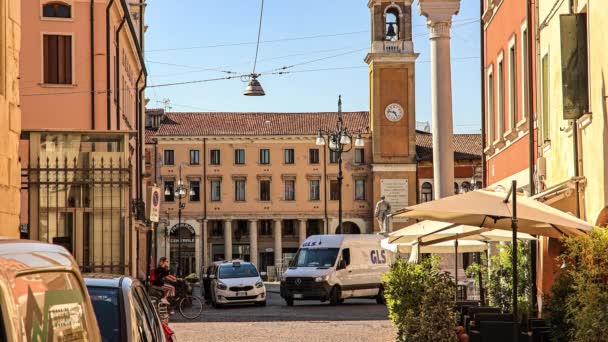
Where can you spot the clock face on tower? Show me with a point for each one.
(394, 112)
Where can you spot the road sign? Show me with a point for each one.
(155, 204)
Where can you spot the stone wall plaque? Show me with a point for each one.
(396, 192)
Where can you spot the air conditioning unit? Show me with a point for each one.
(541, 167)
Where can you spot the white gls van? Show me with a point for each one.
(335, 267)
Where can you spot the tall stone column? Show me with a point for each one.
(302, 231)
(198, 250)
(205, 243)
(278, 242)
(253, 241)
(228, 239)
(439, 20)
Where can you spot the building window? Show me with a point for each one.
(195, 191)
(216, 190)
(360, 189)
(239, 190)
(194, 157)
(315, 190)
(264, 156)
(214, 156)
(359, 156)
(512, 88)
(239, 156)
(289, 227)
(334, 190)
(169, 191)
(289, 156)
(290, 190)
(57, 59)
(265, 190)
(426, 192)
(217, 229)
(266, 227)
(545, 98)
(525, 71)
(490, 108)
(333, 156)
(56, 10)
(501, 100)
(465, 187)
(313, 156)
(169, 157)
(456, 188)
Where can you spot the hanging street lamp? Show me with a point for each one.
(340, 141)
(179, 192)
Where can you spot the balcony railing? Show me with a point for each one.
(399, 46)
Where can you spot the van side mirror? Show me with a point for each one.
(341, 265)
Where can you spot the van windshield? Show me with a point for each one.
(315, 257)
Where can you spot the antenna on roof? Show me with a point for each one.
(166, 104)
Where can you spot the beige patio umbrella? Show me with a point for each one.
(489, 209)
(495, 210)
(446, 247)
(428, 230)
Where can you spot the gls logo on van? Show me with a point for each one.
(309, 244)
(378, 257)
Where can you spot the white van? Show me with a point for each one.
(335, 267)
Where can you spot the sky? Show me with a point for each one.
(326, 40)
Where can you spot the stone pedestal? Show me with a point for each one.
(439, 20)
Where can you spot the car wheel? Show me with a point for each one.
(334, 296)
(380, 297)
(289, 301)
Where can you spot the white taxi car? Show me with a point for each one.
(236, 282)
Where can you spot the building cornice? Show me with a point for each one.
(393, 167)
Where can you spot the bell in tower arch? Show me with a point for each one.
(390, 32)
(392, 25)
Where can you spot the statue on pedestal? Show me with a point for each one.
(382, 212)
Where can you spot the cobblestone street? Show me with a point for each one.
(355, 320)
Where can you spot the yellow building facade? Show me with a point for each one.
(563, 174)
(10, 117)
(572, 169)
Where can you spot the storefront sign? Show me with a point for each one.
(155, 204)
(395, 192)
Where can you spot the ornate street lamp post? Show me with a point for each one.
(180, 192)
(339, 141)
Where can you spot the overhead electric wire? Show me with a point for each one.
(466, 21)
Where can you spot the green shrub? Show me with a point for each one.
(557, 309)
(420, 301)
(586, 296)
(498, 278)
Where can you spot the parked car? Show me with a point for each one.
(124, 310)
(236, 282)
(335, 267)
(42, 295)
(207, 271)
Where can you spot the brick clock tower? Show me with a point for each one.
(392, 103)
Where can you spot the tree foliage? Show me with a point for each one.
(421, 301)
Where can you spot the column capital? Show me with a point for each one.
(439, 29)
(439, 13)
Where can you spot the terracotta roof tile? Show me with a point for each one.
(466, 146)
(214, 124)
(150, 134)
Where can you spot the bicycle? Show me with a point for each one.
(189, 306)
